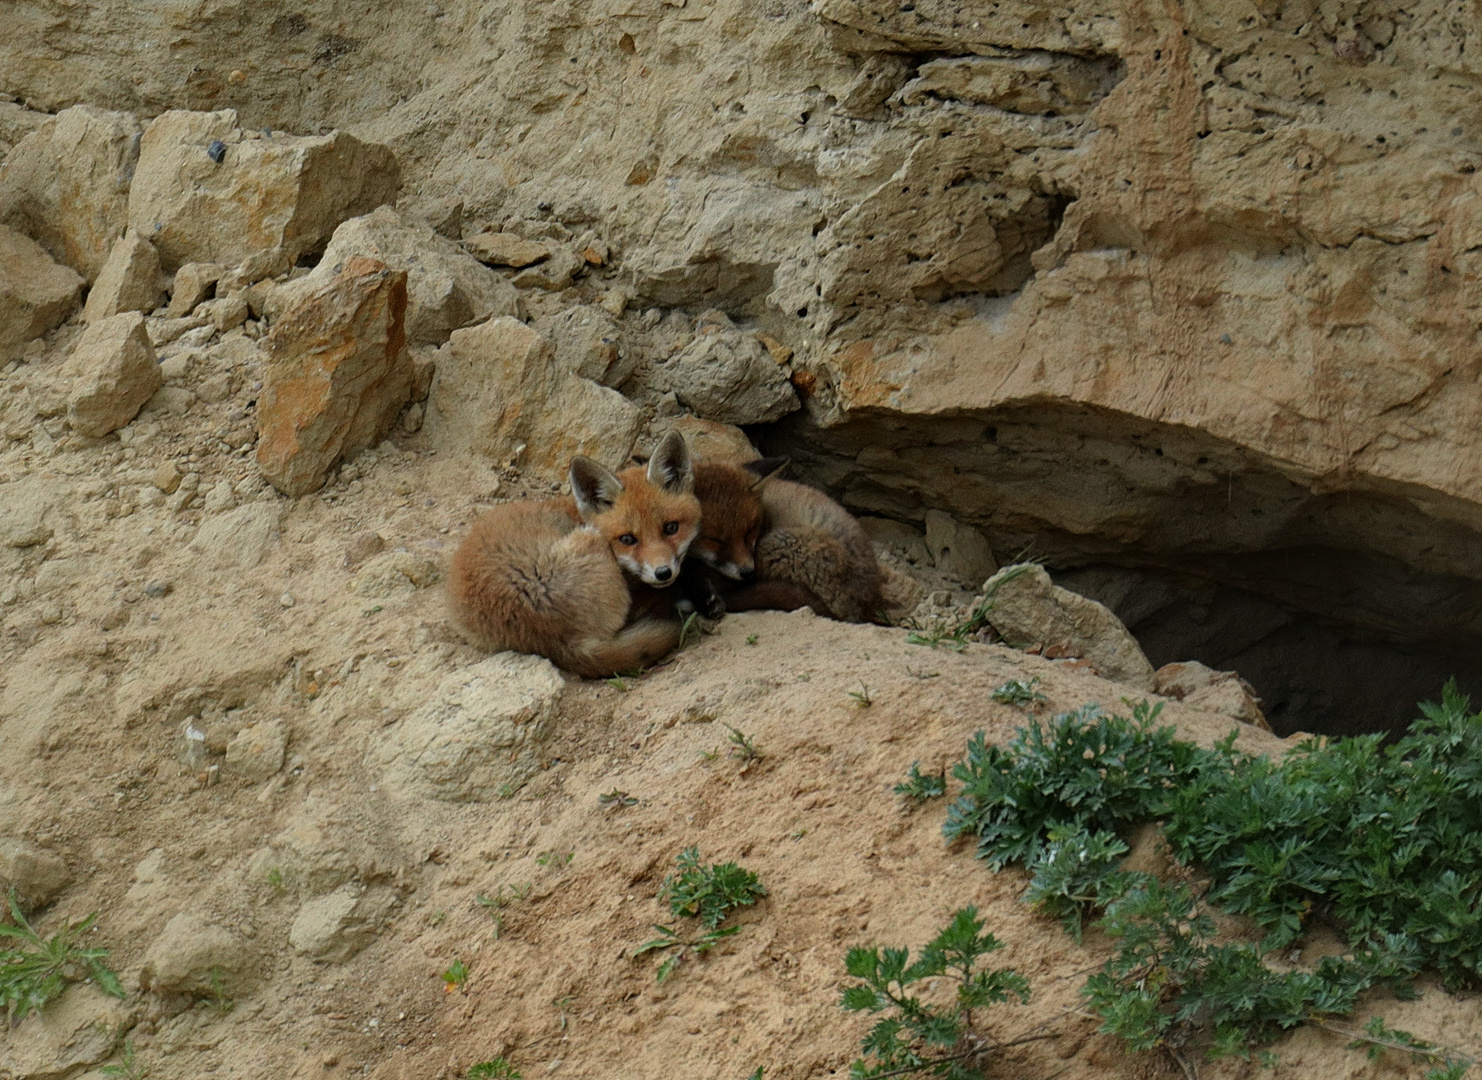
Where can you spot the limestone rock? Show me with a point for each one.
(500, 392)
(256, 753)
(36, 293)
(728, 376)
(395, 572)
(959, 550)
(587, 342)
(112, 373)
(483, 731)
(505, 249)
(1201, 687)
(225, 312)
(899, 594)
(82, 1027)
(446, 287)
(320, 851)
(193, 283)
(24, 508)
(552, 273)
(283, 193)
(239, 538)
(130, 280)
(711, 441)
(1029, 610)
(191, 956)
(336, 926)
(337, 375)
(37, 875)
(66, 185)
(900, 537)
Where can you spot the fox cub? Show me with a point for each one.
(788, 545)
(552, 577)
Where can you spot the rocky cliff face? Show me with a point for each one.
(1182, 295)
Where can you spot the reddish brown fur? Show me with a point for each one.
(534, 577)
(810, 551)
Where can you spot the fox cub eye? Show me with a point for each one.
(628, 538)
(670, 528)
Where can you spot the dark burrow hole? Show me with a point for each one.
(1343, 609)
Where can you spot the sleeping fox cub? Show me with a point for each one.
(788, 545)
(552, 577)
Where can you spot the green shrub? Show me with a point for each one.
(709, 893)
(1384, 841)
(915, 1037)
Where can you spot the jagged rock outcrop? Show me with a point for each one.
(337, 374)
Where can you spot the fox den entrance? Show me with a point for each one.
(1343, 609)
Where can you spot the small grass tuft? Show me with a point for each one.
(129, 1067)
(494, 1069)
(743, 747)
(862, 698)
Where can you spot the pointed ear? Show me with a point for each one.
(594, 488)
(670, 467)
(765, 468)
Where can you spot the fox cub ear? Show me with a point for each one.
(594, 488)
(670, 467)
(765, 468)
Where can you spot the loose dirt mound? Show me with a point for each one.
(239, 890)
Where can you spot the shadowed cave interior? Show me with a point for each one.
(1343, 608)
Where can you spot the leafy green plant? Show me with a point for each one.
(275, 880)
(503, 896)
(922, 787)
(1384, 841)
(751, 639)
(915, 1037)
(220, 1002)
(681, 946)
(456, 977)
(1086, 769)
(708, 893)
(1377, 1037)
(35, 970)
(494, 1069)
(1019, 692)
(862, 698)
(129, 1066)
(743, 747)
(555, 858)
(1170, 980)
(616, 800)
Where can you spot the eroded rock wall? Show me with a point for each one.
(1185, 286)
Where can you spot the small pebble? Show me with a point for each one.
(286, 600)
(157, 588)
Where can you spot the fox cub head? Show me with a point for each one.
(731, 514)
(649, 516)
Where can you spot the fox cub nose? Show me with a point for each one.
(747, 573)
(663, 573)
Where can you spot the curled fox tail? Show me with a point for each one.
(631, 648)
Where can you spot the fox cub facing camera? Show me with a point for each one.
(553, 577)
(772, 543)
